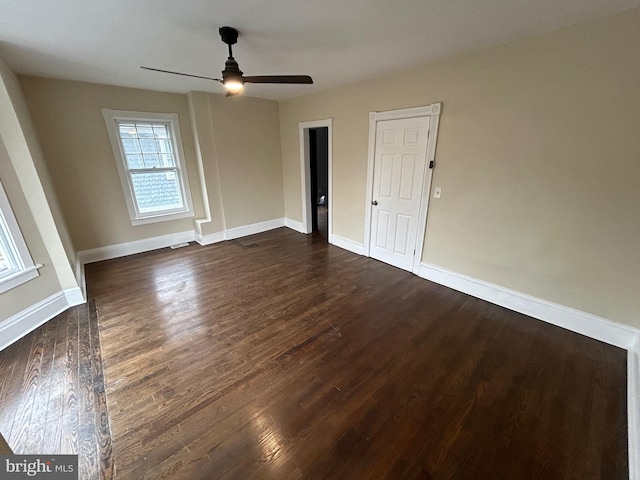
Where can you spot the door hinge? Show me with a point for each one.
(432, 163)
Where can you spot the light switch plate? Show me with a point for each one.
(437, 192)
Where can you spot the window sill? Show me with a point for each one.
(18, 278)
(162, 218)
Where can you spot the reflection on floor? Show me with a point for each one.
(323, 222)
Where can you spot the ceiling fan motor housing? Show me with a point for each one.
(231, 70)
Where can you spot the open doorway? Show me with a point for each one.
(319, 169)
(315, 167)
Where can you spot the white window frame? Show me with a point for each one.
(23, 269)
(111, 118)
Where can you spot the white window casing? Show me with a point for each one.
(147, 148)
(16, 264)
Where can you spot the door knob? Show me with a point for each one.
(375, 202)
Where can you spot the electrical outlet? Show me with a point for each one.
(437, 192)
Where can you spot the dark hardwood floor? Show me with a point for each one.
(52, 398)
(279, 356)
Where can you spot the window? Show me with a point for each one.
(149, 156)
(16, 265)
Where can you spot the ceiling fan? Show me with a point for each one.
(232, 77)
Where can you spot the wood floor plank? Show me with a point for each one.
(19, 434)
(52, 392)
(53, 429)
(35, 440)
(10, 362)
(102, 434)
(69, 377)
(87, 441)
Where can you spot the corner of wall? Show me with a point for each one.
(294, 225)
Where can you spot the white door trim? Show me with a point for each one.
(432, 111)
(305, 170)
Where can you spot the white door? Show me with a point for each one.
(398, 172)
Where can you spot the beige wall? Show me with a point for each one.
(238, 146)
(69, 124)
(247, 142)
(538, 158)
(26, 182)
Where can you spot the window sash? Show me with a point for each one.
(162, 208)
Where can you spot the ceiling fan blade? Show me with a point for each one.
(306, 79)
(183, 74)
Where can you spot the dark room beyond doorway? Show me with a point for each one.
(319, 159)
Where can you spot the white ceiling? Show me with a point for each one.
(334, 41)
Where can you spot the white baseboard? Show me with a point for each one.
(245, 230)
(163, 241)
(137, 246)
(347, 244)
(209, 238)
(74, 296)
(294, 225)
(633, 409)
(20, 324)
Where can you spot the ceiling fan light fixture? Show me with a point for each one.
(234, 85)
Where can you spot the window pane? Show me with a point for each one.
(130, 146)
(4, 261)
(160, 131)
(7, 261)
(157, 191)
(165, 146)
(144, 130)
(151, 160)
(168, 160)
(148, 145)
(127, 130)
(135, 161)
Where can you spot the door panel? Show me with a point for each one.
(386, 175)
(382, 230)
(406, 177)
(398, 174)
(403, 224)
